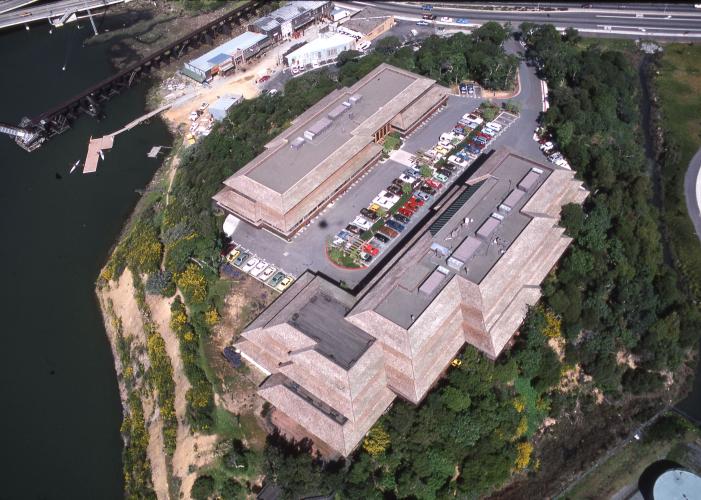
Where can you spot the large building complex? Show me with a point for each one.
(336, 361)
(327, 148)
(294, 16)
(226, 56)
(324, 49)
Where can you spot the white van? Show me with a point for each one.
(494, 126)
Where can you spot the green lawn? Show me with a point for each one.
(679, 88)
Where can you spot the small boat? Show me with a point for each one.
(75, 165)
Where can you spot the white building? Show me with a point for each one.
(324, 49)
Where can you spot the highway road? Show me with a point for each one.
(8, 5)
(20, 16)
(634, 20)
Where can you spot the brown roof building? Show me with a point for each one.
(336, 361)
(368, 24)
(327, 148)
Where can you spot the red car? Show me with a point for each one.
(264, 79)
(368, 248)
(484, 136)
(405, 212)
(416, 201)
(434, 184)
(410, 207)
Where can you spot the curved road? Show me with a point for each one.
(692, 191)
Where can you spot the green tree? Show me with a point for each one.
(202, 488)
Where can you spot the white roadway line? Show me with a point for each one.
(668, 17)
(643, 28)
(636, 32)
(631, 31)
(542, 12)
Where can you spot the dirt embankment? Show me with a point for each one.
(126, 309)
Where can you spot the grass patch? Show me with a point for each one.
(342, 257)
(617, 44)
(679, 87)
(226, 424)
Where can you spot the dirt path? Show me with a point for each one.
(126, 308)
(193, 450)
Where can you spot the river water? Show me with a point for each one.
(61, 412)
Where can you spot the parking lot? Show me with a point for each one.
(308, 248)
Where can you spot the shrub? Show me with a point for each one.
(202, 488)
(160, 283)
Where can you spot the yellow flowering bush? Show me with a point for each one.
(193, 283)
(519, 404)
(523, 455)
(553, 325)
(377, 440)
(211, 317)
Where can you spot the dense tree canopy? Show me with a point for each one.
(477, 56)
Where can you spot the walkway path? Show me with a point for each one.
(96, 146)
(692, 191)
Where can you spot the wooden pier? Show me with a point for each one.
(98, 145)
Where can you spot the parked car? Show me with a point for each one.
(401, 218)
(368, 248)
(389, 232)
(416, 200)
(232, 256)
(381, 237)
(374, 207)
(423, 196)
(433, 183)
(394, 189)
(353, 229)
(286, 281)
(250, 264)
(258, 269)
(275, 280)
(365, 257)
(241, 259)
(445, 172)
(440, 177)
(427, 189)
(405, 212)
(462, 20)
(267, 273)
(263, 79)
(393, 224)
(421, 23)
(377, 243)
(362, 222)
(368, 214)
